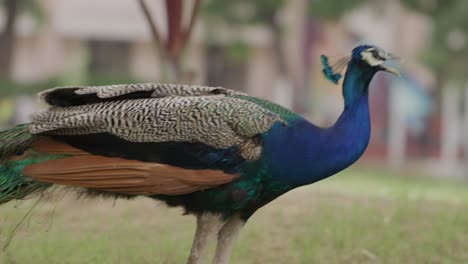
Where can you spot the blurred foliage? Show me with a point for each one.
(8, 87)
(106, 79)
(33, 7)
(331, 9)
(237, 51)
(430, 7)
(242, 11)
(447, 54)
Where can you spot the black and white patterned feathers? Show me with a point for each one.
(217, 117)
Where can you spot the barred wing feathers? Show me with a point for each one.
(212, 116)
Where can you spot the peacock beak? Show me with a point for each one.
(391, 70)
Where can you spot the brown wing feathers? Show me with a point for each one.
(50, 146)
(119, 175)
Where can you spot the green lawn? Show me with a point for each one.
(358, 216)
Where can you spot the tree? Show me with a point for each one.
(170, 50)
(244, 12)
(332, 9)
(447, 53)
(7, 37)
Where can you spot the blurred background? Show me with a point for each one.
(406, 200)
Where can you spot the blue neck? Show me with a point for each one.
(304, 153)
(355, 94)
(356, 82)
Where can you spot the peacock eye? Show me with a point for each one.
(376, 55)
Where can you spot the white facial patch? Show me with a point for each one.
(367, 56)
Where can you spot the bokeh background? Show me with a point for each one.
(405, 201)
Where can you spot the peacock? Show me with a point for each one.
(218, 153)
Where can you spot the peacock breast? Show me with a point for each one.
(302, 153)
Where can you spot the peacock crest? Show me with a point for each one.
(333, 72)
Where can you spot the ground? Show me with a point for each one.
(359, 216)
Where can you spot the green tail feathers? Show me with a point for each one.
(13, 184)
(14, 141)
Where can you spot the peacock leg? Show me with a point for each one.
(208, 225)
(226, 238)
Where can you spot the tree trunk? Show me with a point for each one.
(450, 127)
(278, 46)
(7, 39)
(283, 89)
(465, 128)
(397, 129)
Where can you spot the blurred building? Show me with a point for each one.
(85, 36)
(111, 37)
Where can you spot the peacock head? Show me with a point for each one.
(374, 57)
(369, 57)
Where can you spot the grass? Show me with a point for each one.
(358, 216)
